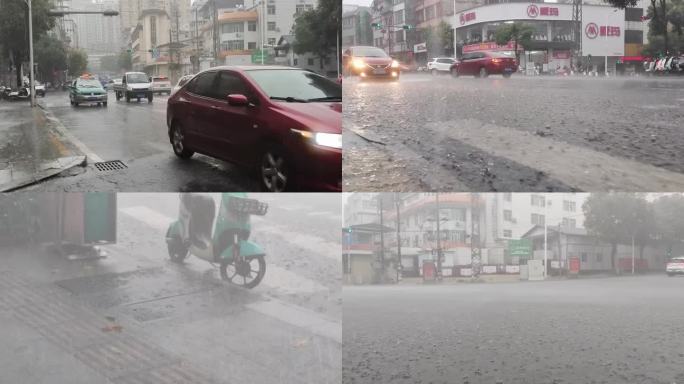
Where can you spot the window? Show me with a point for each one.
(569, 206)
(569, 223)
(233, 45)
(537, 219)
(251, 26)
(228, 83)
(251, 45)
(399, 17)
(301, 8)
(271, 10)
(507, 233)
(399, 36)
(537, 200)
(634, 37)
(508, 215)
(202, 84)
(507, 196)
(153, 30)
(271, 26)
(271, 41)
(584, 257)
(233, 27)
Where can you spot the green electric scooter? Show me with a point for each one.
(222, 238)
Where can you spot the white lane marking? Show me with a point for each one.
(300, 317)
(576, 166)
(313, 244)
(59, 127)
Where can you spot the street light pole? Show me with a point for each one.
(31, 74)
(545, 236)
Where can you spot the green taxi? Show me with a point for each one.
(87, 89)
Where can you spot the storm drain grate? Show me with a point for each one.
(110, 165)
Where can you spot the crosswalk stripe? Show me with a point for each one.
(577, 166)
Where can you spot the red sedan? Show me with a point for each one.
(483, 64)
(284, 122)
(370, 62)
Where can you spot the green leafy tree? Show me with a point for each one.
(669, 214)
(51, 56)
(77, 62)
(317, 31)
(109, 63)
(125, 60)
(14, 28)
(439, 39)
(617, 217)
(518, 33)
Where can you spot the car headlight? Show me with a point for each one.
(395, 64)
(358, 64)
(129, 88)
(332, 140)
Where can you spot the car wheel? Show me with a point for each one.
(128, 98)
(483, 72)
(454, 72)
(178, 142)
(274, 171)
(150, 98)
(104, 104)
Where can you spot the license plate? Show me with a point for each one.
(508, 69)
(379, 71)
(141, 95)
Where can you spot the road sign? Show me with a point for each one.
(258, 56)
(521, 248)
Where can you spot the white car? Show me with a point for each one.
(40, 89)
(675, 266)
(440, 64)
(161, 84)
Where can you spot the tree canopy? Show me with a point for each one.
(317, 31)
(518, 33)
(439, 39)
(51, 56)
(77, 62)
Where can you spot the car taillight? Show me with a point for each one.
(496, 61)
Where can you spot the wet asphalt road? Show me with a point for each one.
(136, 134)
(523, 133)
(612, 330)
(286, 330)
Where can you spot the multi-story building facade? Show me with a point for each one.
(356, 26)
(393, 15)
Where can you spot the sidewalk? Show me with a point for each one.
(31, 147)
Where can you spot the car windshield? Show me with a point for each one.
(86, 83)
(137, 78)
(369, 52)
(296, 85)
(678, 260)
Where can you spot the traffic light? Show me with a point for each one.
(407, 27)
(376, 25)
(129, 50)
(347, 230)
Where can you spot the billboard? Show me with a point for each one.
(603, 31)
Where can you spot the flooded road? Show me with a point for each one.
(496, 134)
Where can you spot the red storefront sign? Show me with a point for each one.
(593, 31)
(561, 54)
(574, 264)
(533, 11)
(466, 17)
(480, 47)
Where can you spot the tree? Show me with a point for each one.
(51, 56)
(109, 63)
(317, 31)
(14, 28)
(77, 62)
(439, 39)
(669, 214)
(518, 33)
(617, 218)
(125, 60)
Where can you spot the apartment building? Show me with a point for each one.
(356, 26)
(393, 15)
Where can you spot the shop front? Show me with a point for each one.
(551, 46)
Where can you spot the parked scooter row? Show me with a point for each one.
(665, 65)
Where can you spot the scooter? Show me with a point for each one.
(241, 261)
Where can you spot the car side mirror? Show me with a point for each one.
(237, 100)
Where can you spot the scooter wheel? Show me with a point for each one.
(244, 274)
(177, 251)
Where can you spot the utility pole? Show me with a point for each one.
(397, 203)
(31, 76)
(475, 247)
(439, 240)
(577, 30)
(382, 240)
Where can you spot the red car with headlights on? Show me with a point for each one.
(284, 122)
(483, 64)
(370, 62)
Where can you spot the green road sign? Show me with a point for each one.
(258, 56)
(521, 248)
